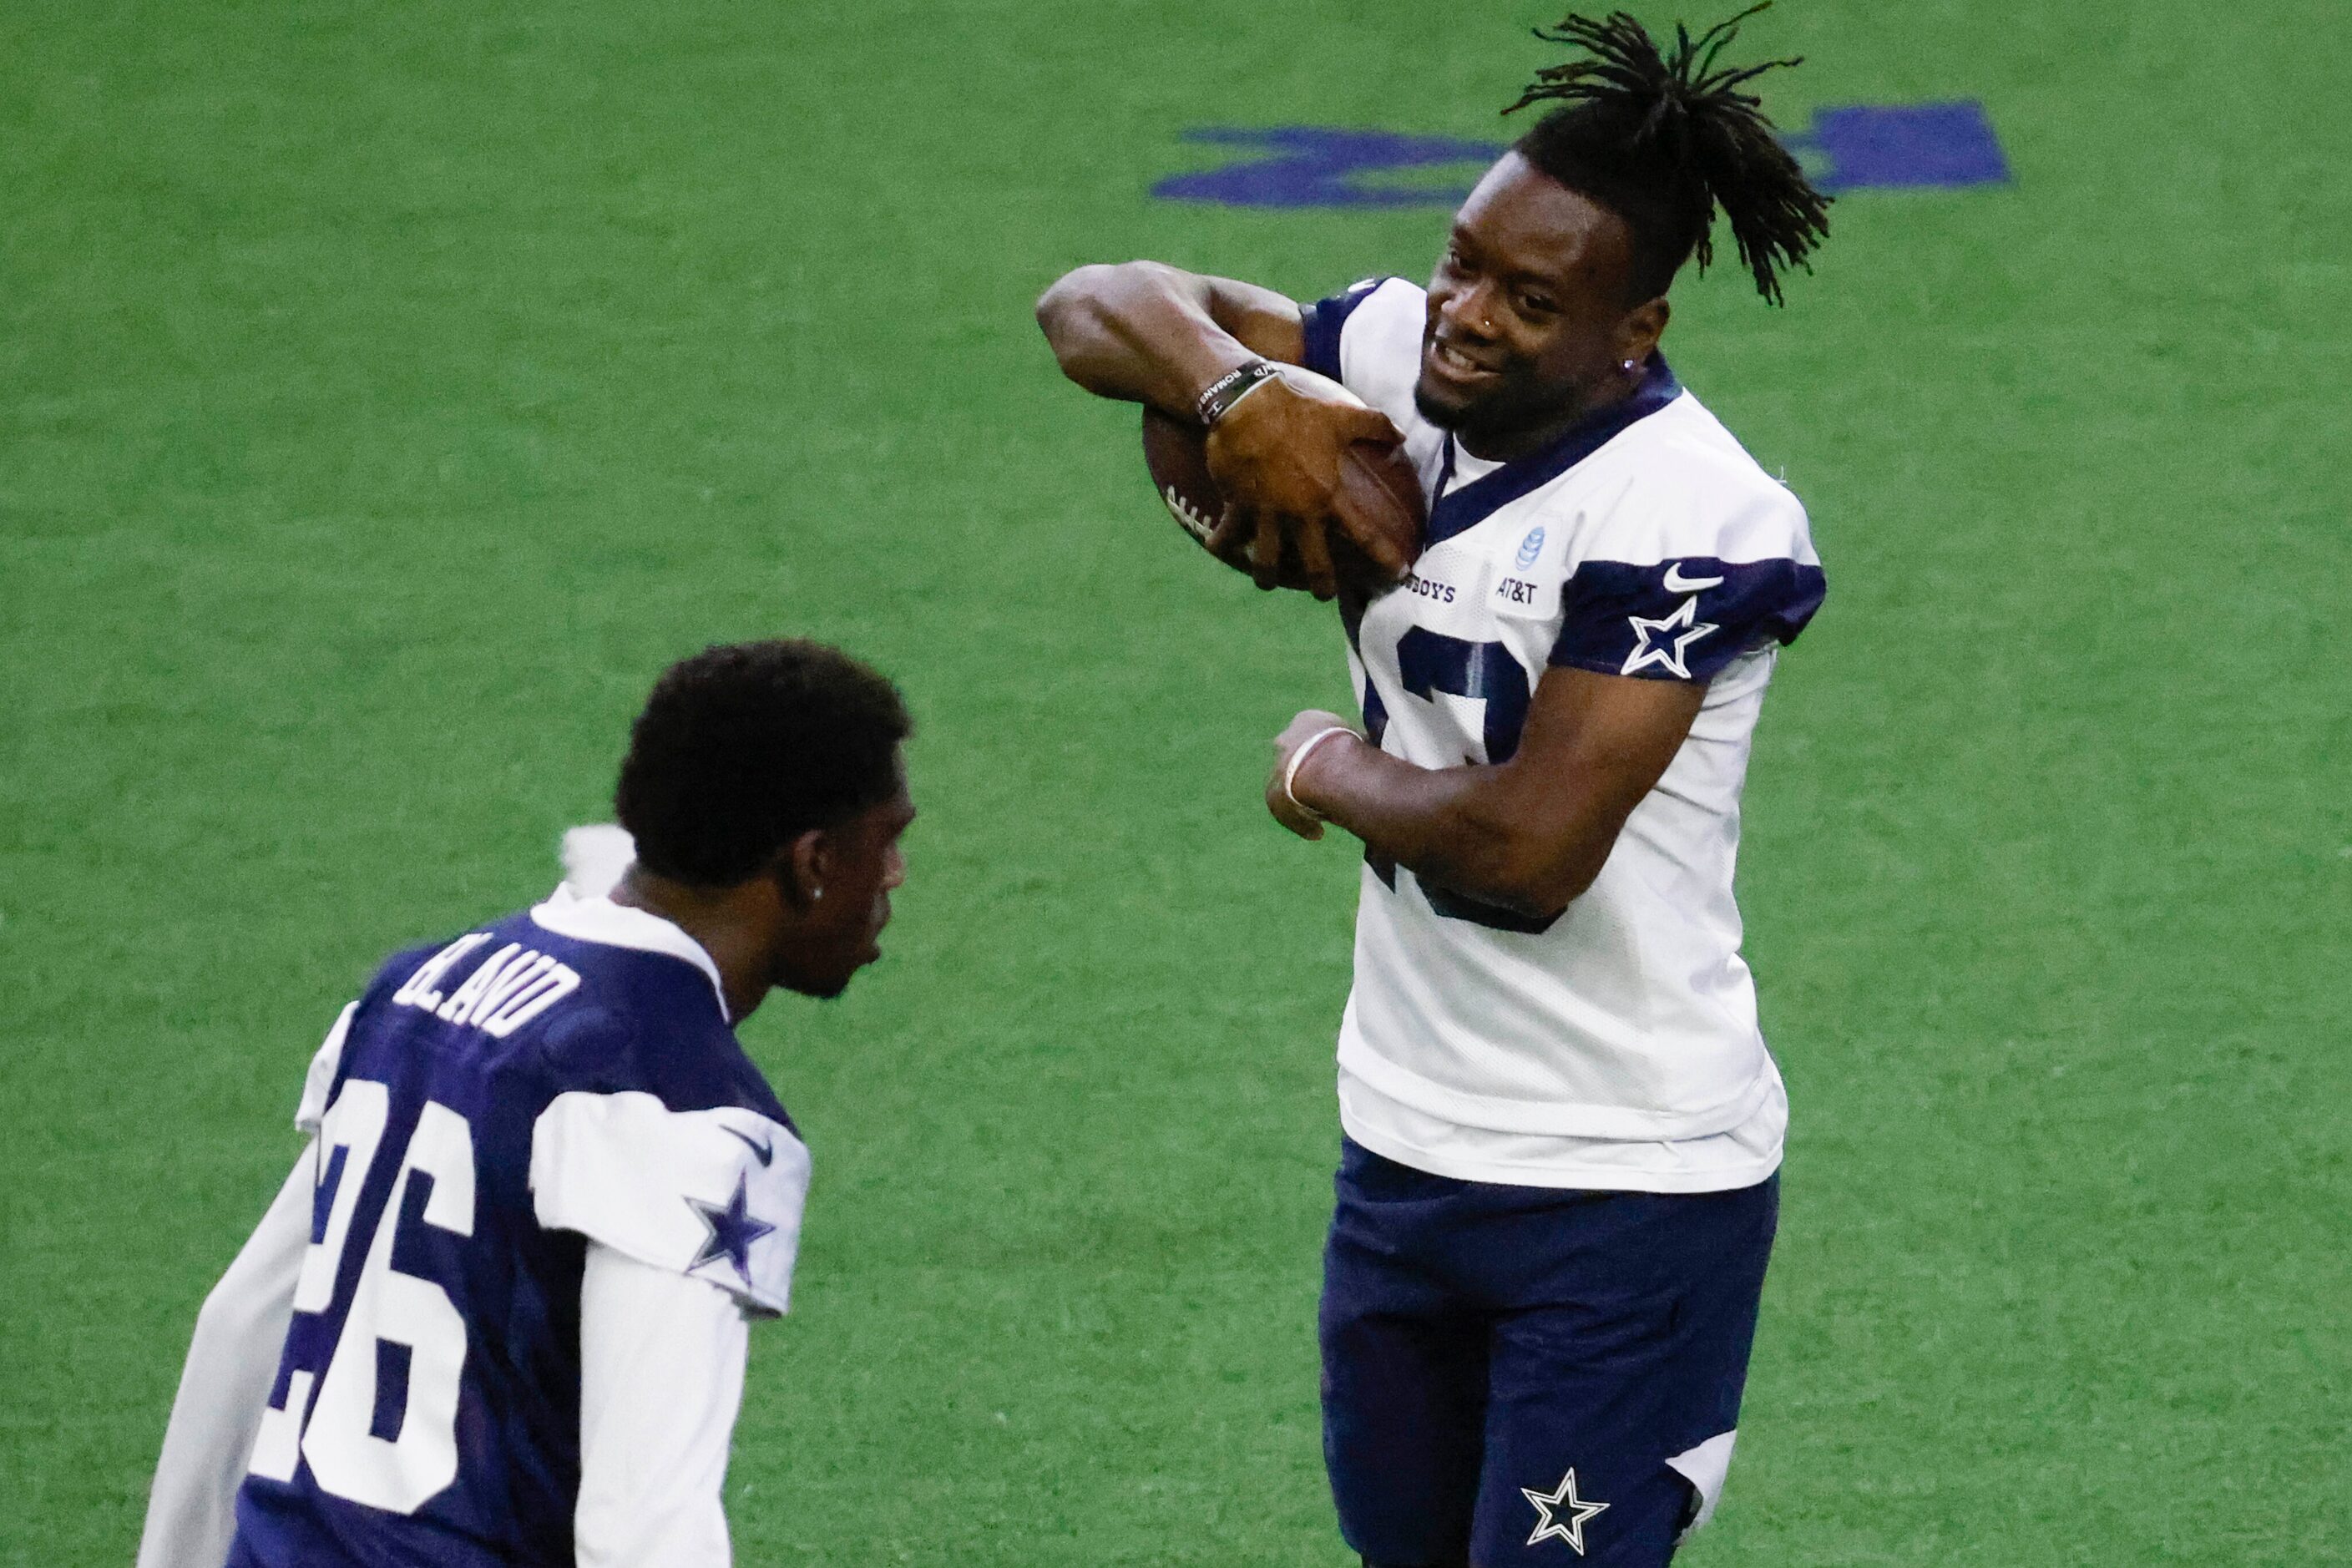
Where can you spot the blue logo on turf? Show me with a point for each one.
(1530, 547)
(1857, 147)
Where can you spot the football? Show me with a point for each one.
(1377, 486)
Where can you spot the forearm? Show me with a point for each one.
(1140, 331)
(1476, 830)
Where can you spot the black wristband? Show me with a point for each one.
(1227, 389)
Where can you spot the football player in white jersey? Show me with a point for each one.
(1558, 1185)
(497, 1315)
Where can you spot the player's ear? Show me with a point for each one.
(1639, 329)
(803, 868)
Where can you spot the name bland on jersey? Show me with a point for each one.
(505, 991)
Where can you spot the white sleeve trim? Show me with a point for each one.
(319, 1082)
(232, 1362)
(715, 1194)
(1704, 1467)
(661, 1383)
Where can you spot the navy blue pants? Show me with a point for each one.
(1522, 1375)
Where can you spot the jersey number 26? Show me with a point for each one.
(395, 1321)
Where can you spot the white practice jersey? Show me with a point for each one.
(1615, 1045)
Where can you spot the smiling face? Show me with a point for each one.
(1529, 326)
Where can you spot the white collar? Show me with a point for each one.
(600, 919)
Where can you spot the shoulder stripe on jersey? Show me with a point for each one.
(716, 1194)
(1323, 321)
(1464, 509)
(1683, 619)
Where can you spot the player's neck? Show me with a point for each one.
(728, 923)
(1525, 440)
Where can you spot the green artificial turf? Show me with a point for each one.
(387, 393)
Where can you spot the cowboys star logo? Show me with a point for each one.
(1665, 642)
(1560, 1515)
(729, 1229)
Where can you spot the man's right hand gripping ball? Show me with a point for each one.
(1310, 487)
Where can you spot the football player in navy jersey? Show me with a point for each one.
(497, 1314)
(1559, 1182)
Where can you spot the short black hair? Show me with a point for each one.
(745, 747)
(1663, 140)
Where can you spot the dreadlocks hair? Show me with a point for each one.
(1664, 139)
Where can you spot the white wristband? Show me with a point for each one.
(1299, 760)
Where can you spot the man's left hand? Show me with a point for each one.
(1279, 800)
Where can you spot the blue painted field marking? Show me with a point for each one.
(1317, 166)
(1906, 146)
(1863, 147)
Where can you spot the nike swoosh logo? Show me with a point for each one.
(764, 1150)
(1678, 583)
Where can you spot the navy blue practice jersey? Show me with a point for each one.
(486, 1111)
